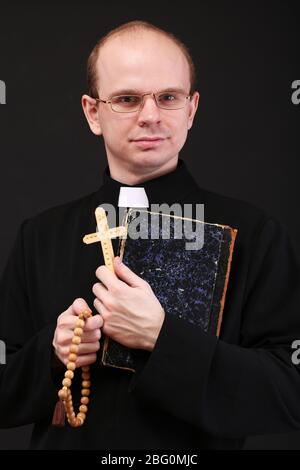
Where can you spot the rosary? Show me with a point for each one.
(64, 406)
(65, 394)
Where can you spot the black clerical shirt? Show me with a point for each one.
(194, 391)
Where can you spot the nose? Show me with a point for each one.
(149, 112)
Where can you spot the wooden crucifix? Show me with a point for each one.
(104, 235)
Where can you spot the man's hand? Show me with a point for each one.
(132, 314)
(63, 335)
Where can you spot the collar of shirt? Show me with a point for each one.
(169, 188)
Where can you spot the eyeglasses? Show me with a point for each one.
(132, 103)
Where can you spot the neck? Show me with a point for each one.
(126, 174)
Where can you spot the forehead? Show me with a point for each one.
(142, 61)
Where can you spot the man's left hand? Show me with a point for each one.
(132, 314)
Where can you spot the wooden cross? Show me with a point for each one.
(104, 235)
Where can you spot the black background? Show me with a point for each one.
(244, 143)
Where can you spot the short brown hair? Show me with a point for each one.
(131, 26)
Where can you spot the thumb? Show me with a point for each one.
(78, 306)
(124, 273)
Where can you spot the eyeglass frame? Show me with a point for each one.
(188, 97)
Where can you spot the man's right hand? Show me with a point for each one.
(87, 351)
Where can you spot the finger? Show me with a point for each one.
(67, 320)
(64, 335)
(93, 323)
(101, 293)
(88, 348)
(86, 360)
(83, 348)
(108, 278)
(79, 305)
(125, 274)
(101, 309)
(91, 336)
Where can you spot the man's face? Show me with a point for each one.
(142, 62)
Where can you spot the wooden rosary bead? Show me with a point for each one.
(78, 422)
(85, 400)
(86, 384)
(78, 331)
(67, 382)
(72, 357)
(76, 340)
(69, 374)
(64, 393)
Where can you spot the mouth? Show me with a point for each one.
(148, 142)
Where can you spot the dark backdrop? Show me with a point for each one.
(244, 143)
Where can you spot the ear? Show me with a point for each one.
(193, 105)
(90, 109)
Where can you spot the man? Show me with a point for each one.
(193, 391)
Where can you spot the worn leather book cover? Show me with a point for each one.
(188, 271)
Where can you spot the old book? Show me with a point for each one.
(188, 271)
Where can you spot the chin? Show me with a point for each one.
(150, 159)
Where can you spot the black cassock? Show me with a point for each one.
(193, 390)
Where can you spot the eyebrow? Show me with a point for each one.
(135, 91)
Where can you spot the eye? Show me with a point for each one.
(167, 97)
(126, 99)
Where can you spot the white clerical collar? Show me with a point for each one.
(132, 197)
